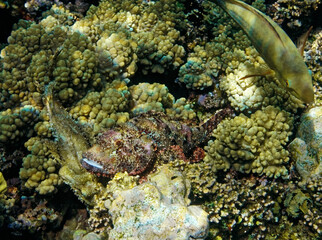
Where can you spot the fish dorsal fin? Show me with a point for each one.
(301, 41)
(258, 14)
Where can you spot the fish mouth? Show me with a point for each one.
(93, 166)
(306, 95)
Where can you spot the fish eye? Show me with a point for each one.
(288, 83)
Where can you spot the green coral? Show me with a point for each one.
(40, 167)
(3, 184)
(181, 109)
(17, 124)
(146, 97)
(252, 144)
(105, 108)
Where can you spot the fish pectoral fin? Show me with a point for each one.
(268, 72)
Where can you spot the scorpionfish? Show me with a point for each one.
(151, 137)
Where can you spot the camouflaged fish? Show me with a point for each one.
(135, 146)
(274, 46)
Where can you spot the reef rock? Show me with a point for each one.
(306, 148)
(157, 209)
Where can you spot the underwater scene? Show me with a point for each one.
(161, 119)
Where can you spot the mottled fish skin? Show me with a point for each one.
(136, 145)
(274, 46)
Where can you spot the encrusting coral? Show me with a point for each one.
(158, 208)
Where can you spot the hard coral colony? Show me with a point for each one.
(82, 115)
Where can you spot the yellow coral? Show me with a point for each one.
(181, 110)
(3, 184)
(105, 108)
(146, 97)
(17, 124)
(252, 144)
(40, 168)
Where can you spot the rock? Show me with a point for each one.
(306, 148)
(157, 209)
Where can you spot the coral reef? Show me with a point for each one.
(40, 167)
(312, 53)
(181, 110)
(149, 138)
(105, 108)
(293, 13)
(17, 124)
(306, 148)
(147, 97)
(244, 204)
(37, 218)
(78, 92)
(36, 55)
(33, 9)
(158, 208)
(252, 144)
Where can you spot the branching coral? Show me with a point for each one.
(252, 144)
(18, 124)
(293, 13)
(312, 56)
(88, 62)
(181, 109)
(146, 97)
(40, 168)
(144, 36)
(36, 56)
(244, 204)
(103, 109)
